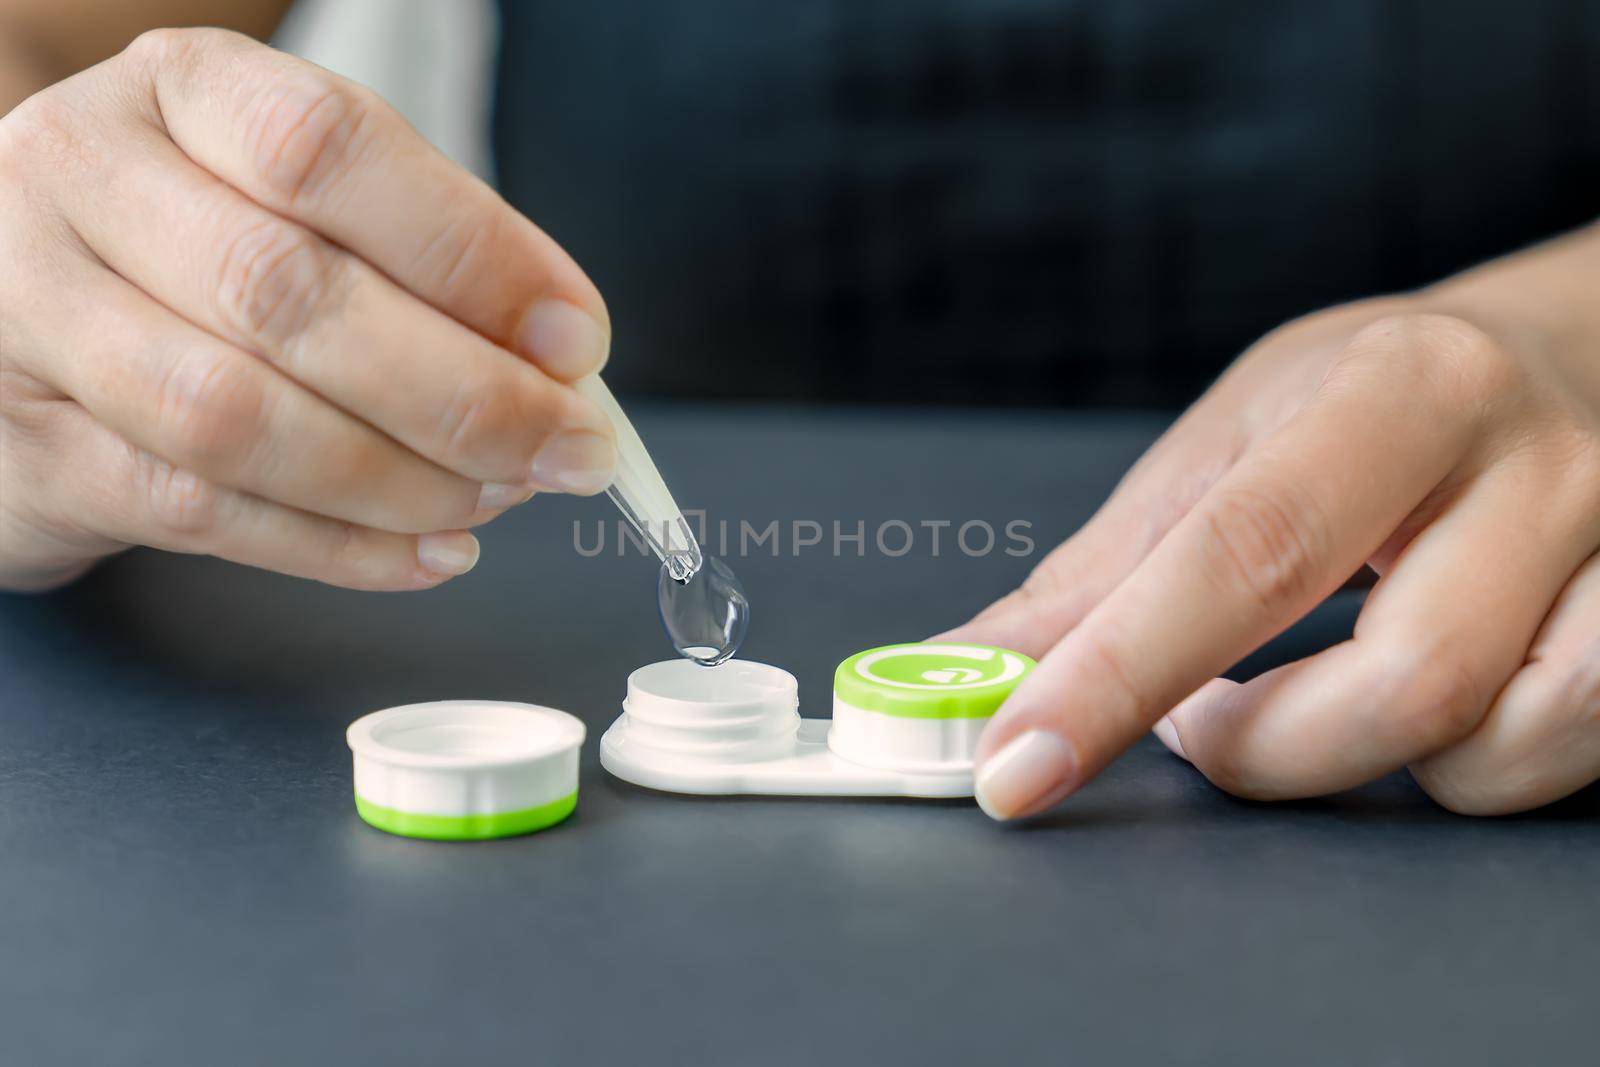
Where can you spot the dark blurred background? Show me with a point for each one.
(1040, 201)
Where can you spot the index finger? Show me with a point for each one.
(1279, 533)
(331, 154)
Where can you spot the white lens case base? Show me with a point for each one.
(736, 728)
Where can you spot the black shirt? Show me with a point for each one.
(1024, 200)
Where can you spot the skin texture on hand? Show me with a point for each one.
(246, 310)
(1449, 439)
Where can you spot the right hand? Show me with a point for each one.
(246, 310)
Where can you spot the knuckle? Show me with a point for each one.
(359, 557)
(1044, 582)
(275, 280)
(170, 48)
(1569, 449)
(209, 412)
(1437, 355)
(349, 554)
(40, 135)
(27, 405)
(1550, 706)
(1267, 544)
(480, 416)
(1565, 691)
(454, 256)
(1434, 699)
(167, 45)
(1581, 445)
(1105, 657)
(305, 130)
(183, 506)
(395, 492)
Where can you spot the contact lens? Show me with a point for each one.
(706, 614)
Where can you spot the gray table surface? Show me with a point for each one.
(183, 878)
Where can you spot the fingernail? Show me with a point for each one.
(563, 339)
(494, 495)
(1023, 773)
(449, 553)
(1168, 734)
(575, 461)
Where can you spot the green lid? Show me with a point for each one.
(931, 681)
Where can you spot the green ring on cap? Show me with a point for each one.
(467, 827)
(931, 681)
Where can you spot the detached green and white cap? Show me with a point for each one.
(920, 707)
(464, 770)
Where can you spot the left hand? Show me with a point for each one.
(1449, 439)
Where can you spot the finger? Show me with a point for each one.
(336, 325)
(320, 149)
(1155, 494)
(207, 407)
(1447, 628)
(133, 497)
(1283, 529)
(1058, 593)
(1247, 404)
(1541, 738)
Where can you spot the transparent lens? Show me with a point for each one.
(706, 614)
